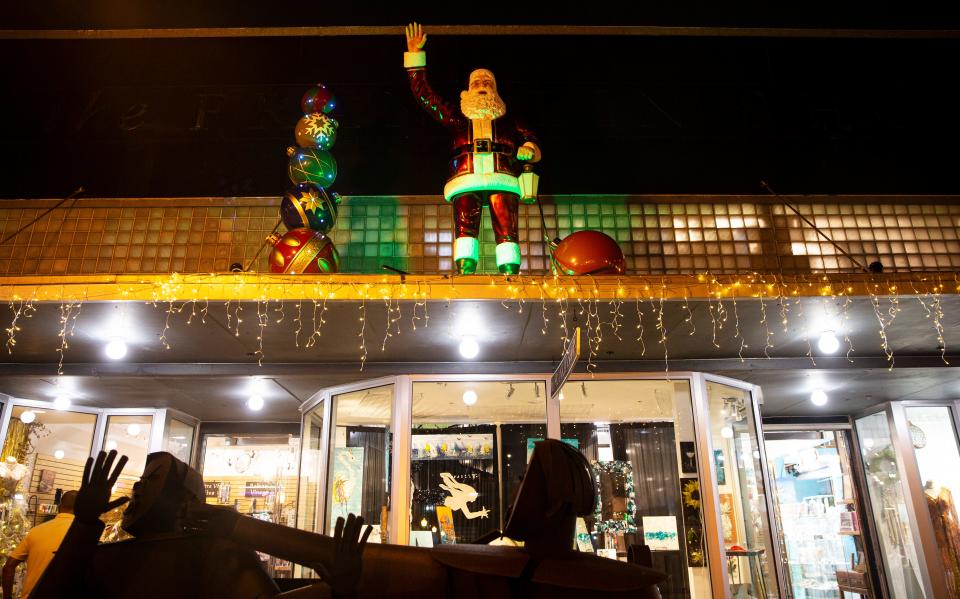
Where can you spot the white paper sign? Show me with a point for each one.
(660, 533)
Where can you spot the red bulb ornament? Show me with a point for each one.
(303, 251)
(588, 253)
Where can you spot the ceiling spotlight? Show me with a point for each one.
(255, 403)
(110, 445)
(469, 397)
(818, 397)
(828, 343)
(469, 348)
(28, 417)
(258, 385)
(62, 402)
(116, 348)
(560, 397)
(133, 430)
(726, 432)
(58, 454)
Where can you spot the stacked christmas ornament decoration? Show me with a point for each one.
(308, 210)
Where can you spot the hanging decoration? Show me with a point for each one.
(308, 210)
(622, 473)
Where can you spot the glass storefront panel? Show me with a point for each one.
(360, 457)
(639, 436)
(129, 436)
(934, 441)
(311, 473)
(740, 484)
(178, 438)
(889, 507)
(469, 449)
(816, 507)
(45, 451)
(256, 474)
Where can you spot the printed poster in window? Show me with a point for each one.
(728, 520)
(347, 490)
(574, 443)
(448, 535)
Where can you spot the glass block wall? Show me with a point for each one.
(658, 234)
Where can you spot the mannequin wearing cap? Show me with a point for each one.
(488, 147)
(557, 487)
(161, 560)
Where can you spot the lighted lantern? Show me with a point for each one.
(303, 251)
(529, 184)
(588, 253)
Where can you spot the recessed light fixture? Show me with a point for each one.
(110, 445)
(255, 403)
(560, 397)
(62, 402)
(469, 347)
(28, 417)
(116, 348)
(828, 343)
(469, 397)
(133, 429)
(58, 454)
(819, 397)
(726, 432)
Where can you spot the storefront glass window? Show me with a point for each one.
(934, 441)
(130, 436)
(311, 475)
(257, 476)
(359, 470)
(816, 507)
(639, 436)
(889, 507)
(45, 450)
(743, 508)
(178, 438)
(470, 443)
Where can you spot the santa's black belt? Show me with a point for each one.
(483, 145)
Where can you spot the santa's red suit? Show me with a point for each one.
(484, 170)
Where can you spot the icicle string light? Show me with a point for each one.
(724, 296)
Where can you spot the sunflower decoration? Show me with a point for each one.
(691, 494)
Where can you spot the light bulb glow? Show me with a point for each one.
(110, 445)
(819, 397)
(62, 402)
(255, 403)
(133, 429)
(828, 343)
(469, 397)
(58, 454)
(469, 348)
(28, 417)
(726, 432)
(560, 397)
(115, 349)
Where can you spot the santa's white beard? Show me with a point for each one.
(482, 106)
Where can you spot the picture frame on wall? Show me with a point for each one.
(688, 457)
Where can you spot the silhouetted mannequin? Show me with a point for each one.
(557, 487)
(161, 561)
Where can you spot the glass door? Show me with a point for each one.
(817, 510)
(740, 490)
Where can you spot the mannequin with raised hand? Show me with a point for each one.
(162, 560)
(557, 488)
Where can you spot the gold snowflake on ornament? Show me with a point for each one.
(320, 125)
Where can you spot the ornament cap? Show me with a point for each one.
(291, 150)
(273, 239)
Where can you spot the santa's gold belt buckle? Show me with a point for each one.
(482, 145)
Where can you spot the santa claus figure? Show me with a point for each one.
(487, 150)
